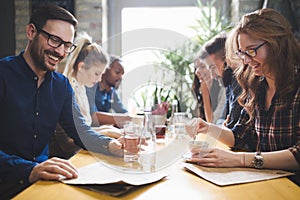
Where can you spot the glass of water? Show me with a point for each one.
(132, 142)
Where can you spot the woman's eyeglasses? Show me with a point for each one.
(250, 52)
(55, 41)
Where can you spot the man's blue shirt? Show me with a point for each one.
(232, 108)
(103, 101)
(28, 117)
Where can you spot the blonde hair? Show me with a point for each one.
(283, 55)
(88, 52)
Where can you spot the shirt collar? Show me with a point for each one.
(28, 71)
(103, 90)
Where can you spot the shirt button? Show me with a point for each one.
(35, 136)
(21, 181)
(35, 78)
(34, 158)
(37, 113)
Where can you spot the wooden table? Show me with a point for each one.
(179, 184)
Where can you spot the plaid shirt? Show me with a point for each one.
(273, 129)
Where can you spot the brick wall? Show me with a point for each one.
(89, 15)
(22, 13)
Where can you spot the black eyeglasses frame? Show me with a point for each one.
(241, 54)
(55, 42)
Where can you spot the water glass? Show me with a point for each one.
(132, 142)
(179, 123)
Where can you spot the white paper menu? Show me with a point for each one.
(97, 173)
(230, 176)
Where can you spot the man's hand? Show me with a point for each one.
(53, 169)
(116, 146)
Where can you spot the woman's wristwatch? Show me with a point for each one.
(258, 161)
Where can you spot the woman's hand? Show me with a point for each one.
(195, 126)
(53, 169)
(215, 157)
(226, 121)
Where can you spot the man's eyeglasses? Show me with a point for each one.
(250, 52)
(55, 41)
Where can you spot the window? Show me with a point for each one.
(147, 29)
(139, 28)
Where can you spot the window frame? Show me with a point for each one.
(112, 10)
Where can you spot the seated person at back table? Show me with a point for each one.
(209, 93)
(29, 112)
(103, 97)
(84, 67)
(215, 47)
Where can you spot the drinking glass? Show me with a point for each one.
(132, 142)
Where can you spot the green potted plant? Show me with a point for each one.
(179, 61)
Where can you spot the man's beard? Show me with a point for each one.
(39, 59)
(110, 83)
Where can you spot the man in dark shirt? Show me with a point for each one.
(220, 70)
(34, 98)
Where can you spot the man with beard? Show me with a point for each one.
(34, 98)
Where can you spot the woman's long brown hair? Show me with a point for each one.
(283, 55)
